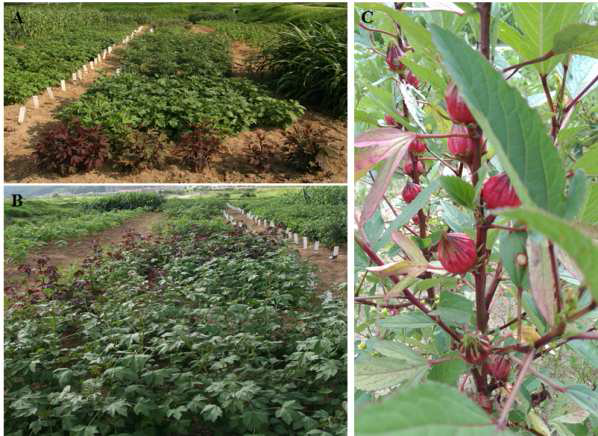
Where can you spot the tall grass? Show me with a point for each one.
(310, 64)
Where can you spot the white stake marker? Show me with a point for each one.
(117, 71)
(22, 111)
(63, 85)
(316, 245)
(50, 93)
(91, 66)
(85, 68)
(35, 102)
(304, 243)
(80, 74)
(74, 77)
(296, 238)
(335, 252)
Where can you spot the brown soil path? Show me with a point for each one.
(62, 257)
(19, 138)
(329, 272)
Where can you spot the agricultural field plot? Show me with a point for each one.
(196, 327)
(210, 93)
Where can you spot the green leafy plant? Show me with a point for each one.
(474, 256)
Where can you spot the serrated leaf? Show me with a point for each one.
(412, 320)
(118, 407)
(448, 372)
(588, 350)
(459, 190)
(375, 373)
(579, 246)
(412, 269)
(539, 23)
(454, 308)
(585, 397)
(590, 211)
(517, 131)
(580, 38)
(540, 276)
(425, 410)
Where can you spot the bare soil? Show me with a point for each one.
(76, 250)
(233, 162)
(330, 272)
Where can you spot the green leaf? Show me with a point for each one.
(590, 212)
(454, 308)
(375, 373)
(459, 190)
(540, 22)
(410, 320)
(518, 133)
(512, 244)
(456, 219)
(585, 397)
(395, 350)
(578, 246)
(118, 407)
(448, 372)
(577, 195)
(541, 280)
(589, 161)
(580, 38)
(425, 410)
(588, 350)
(211, 412)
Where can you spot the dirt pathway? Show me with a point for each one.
(329, 272)
(19, 138)
(62, 257)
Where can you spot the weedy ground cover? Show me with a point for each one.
(201, 329)
(320, 213)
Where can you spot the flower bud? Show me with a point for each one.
(474, 349)
(390, 121)
(461, 148)
(412, 80)
(415, 220)
(410, 191)
(499, 366)
(498, 192)
(456, 252)
(417, 147)
(484, 402)
(408, 168)
(393, 56)
(456, 107)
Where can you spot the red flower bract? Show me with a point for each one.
(412, 80)
(410, 191)
(393, 56)
(390, 121)
(499, 366)
(408, 168)
(457, 253)
(456, 107)
(498, 192)
(461, 148)
(417, 147)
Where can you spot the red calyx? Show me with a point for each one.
(415, 219)
(484, 402)
(417, 147)
(393, 56)
(390, 121)
(412, 80)
(408, 168)
(457, 253)
(499, 366)
(474, 349)
(498, 192)
(410, 191)
(456, 107)
(461, 148)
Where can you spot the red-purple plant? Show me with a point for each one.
(71, 148)
(195, 147)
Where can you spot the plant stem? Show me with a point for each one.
(540, 376)
(369, 29)
(484, 9)
(502, 420)
(580, 95)
(440, 135)
(493, 285)
(555, 277)
(519, 311)
(510, 229)
(542, 58)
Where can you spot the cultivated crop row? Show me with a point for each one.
(201, 329)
